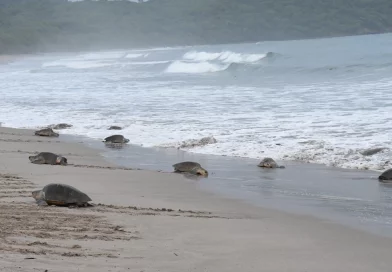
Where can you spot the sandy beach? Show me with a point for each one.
(155, 221)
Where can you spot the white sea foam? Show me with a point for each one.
(150, 62)
(195, 67)
(195, 62)
(191, 143)
(93, 60)
(76, 64)
(224, 56)
(135, 55)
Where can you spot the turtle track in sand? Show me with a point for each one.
(72, 164)
(29, 229)
(34, 231)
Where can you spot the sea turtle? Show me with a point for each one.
(269, 163)
(372, 151)
(60, 126)
(47, 132)
(190, 167)
(61, 195)
(116, 139)
(48, 158)
(386, 176)
(115, 128)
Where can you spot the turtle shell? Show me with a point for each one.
(62, 194)
(185, 166)
(386, 175)
(46, 132)
(116, 139)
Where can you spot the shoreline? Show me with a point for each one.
(7, 59)
(350, 197)
(190, 151)
(287, 158)
(133, 230)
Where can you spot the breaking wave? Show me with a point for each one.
(135, 56)
(225, 57)
(76, 64)
(94, 60)
(196, 62)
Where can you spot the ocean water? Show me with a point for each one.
(321, 101)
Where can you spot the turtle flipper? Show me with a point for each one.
(79, 205)
(39, 161)
(42, 202)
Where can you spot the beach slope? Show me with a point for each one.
(153, 221)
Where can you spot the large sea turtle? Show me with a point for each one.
(60, 126)
(386, 176)
(61, 195)
(48, 158)
(372, 151)
(116, 139)
(47, 132)
(190, 167)
(269, 163)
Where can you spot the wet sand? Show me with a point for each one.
(345, 196)
(156, 221)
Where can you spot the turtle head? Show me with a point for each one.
(50, 132)
(32, 158)
(268, 163)
(199, 171)
(126, 140)
(37, 195)
(61, 160)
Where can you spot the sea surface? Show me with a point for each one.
(320, 101)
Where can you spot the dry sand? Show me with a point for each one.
(136, 224)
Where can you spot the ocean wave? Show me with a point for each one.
(76, 64)
(225, 56)
(151, 62)
(195, 62)
(350, 68)
(101, 55)
(93, 60)
(352, 158)
(135, 55)
(314, 151)
(195, 67)
(252, 120)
